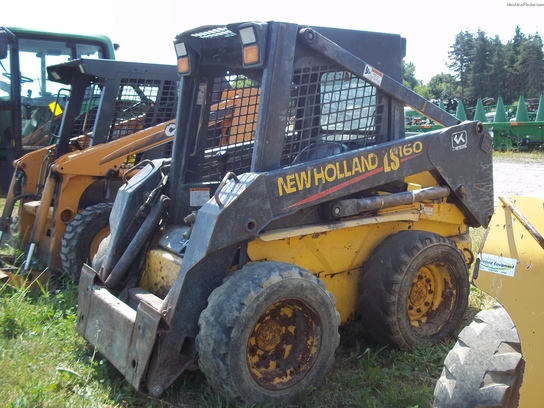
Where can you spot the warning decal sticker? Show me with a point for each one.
(373, 75)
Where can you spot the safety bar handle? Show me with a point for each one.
(524, 221)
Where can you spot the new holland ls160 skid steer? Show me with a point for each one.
(307, 209)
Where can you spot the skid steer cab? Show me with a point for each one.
(279, 218)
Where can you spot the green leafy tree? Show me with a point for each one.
(481, 66)
(529, 65)
(515, 78)
(408, 75)
(480, 63)
(443, 87)
(424, 91)
(498, 71)
(460, 57)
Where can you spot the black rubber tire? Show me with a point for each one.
(414, 290)
(248, 354)
(485, 367)
(82, 237)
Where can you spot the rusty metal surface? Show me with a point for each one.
(128, 343)
(284, 344)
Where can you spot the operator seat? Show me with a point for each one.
(319, 150)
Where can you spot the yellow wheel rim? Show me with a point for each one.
(426, 295)
(283, 344)
(97, 239)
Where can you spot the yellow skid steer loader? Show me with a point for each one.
(307, 209)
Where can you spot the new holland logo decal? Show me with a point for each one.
(459, 140)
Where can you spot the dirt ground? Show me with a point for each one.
(518, 177)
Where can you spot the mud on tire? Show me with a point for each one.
(269, 333)
(414, 290)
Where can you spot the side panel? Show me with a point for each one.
(337, 251)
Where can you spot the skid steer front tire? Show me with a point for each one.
(485, 367)
(82, 238)
(269, 334)
(414, 290)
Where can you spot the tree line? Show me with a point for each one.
(484, 67)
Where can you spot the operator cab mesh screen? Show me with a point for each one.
(142, 103)
(330, 112)
(139, 104)
(233, 110)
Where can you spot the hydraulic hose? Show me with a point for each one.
(135, 246)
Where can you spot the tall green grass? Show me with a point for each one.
(43, 363)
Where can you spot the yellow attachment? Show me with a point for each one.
(511, 270)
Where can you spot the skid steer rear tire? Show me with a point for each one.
(83, 236)
(414, 290)
(269, 334)
(485, 367)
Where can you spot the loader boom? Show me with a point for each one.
(497, 359)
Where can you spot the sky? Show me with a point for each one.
(146, 30)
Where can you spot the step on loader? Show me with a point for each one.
(497, 360)
(246, 250)
(115, 114)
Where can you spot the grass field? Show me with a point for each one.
(44, 363)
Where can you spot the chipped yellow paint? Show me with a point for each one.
(160, 271)
(427, 293)
(336, 251)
